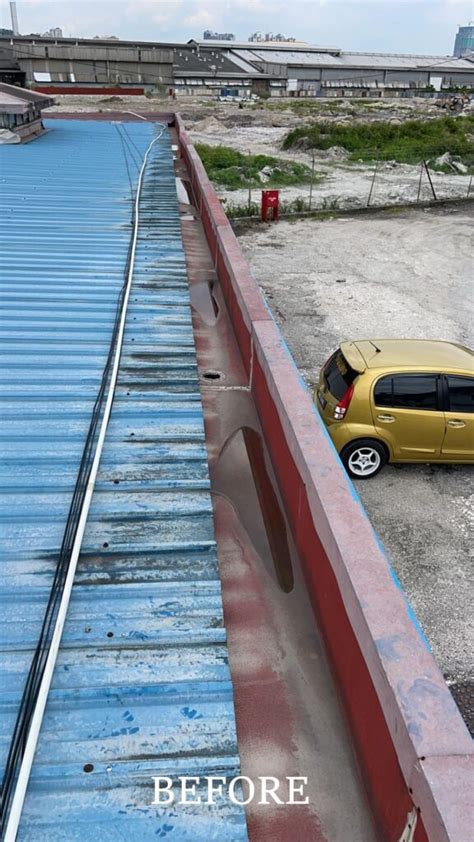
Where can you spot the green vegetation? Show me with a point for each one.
(232, 169)
(298, 205)
(408, 142)
(240, 211)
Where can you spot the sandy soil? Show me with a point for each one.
(403, 275)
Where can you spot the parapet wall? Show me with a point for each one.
(413, 747)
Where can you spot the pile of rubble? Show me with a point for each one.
(452, 161)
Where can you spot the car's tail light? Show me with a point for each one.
(343, 405)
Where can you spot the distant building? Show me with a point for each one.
(55, 32)
(257, 37)
(218, 36)
(6, 33)
(464, 42)
(240, 69)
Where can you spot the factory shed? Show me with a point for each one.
(20, 113)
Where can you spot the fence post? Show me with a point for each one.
(430, 181)
(373, 180)
(250, 189)
(311, 185)
(419, 183)
(469, 187)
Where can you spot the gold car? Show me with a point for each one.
(398, 400)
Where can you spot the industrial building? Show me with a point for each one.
(304, 70)
(67, 63)
(209, 67)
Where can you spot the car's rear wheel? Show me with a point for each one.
(363, 459)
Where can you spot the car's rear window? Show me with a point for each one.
(338, 375)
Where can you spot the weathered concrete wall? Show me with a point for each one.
(414, 749)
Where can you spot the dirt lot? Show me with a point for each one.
(403, 274)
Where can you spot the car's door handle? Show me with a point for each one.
(456, 423)
(387, 418)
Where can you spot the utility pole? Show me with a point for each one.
(14, 18)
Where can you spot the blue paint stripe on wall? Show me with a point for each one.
(142, 685)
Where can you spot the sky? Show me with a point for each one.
(399, 26)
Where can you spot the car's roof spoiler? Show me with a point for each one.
(353, 356)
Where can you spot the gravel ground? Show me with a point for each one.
(404, 274)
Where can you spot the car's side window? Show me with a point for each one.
(383, 392)
(461, 394)
(407, 391)
(415, 391)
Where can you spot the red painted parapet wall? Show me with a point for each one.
(413, 747)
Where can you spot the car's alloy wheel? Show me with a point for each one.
(363, 459)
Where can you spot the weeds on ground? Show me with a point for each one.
(241, 211)
(409, 142)
(298, 205)
(233, 169)
(330, 204)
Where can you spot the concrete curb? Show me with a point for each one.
(413, 746)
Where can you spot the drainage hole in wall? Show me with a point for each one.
(110, 634)
(105, 545)
(212, 375)
(88, 767)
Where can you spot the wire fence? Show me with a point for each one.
(384, 183)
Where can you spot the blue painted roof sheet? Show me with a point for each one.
(142, 685)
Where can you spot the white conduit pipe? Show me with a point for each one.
(37, 718)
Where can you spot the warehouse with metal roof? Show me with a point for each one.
(207, 66)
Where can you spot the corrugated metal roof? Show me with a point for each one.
(302, 57)
(142, 685)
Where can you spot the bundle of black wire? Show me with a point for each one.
(38, 663)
